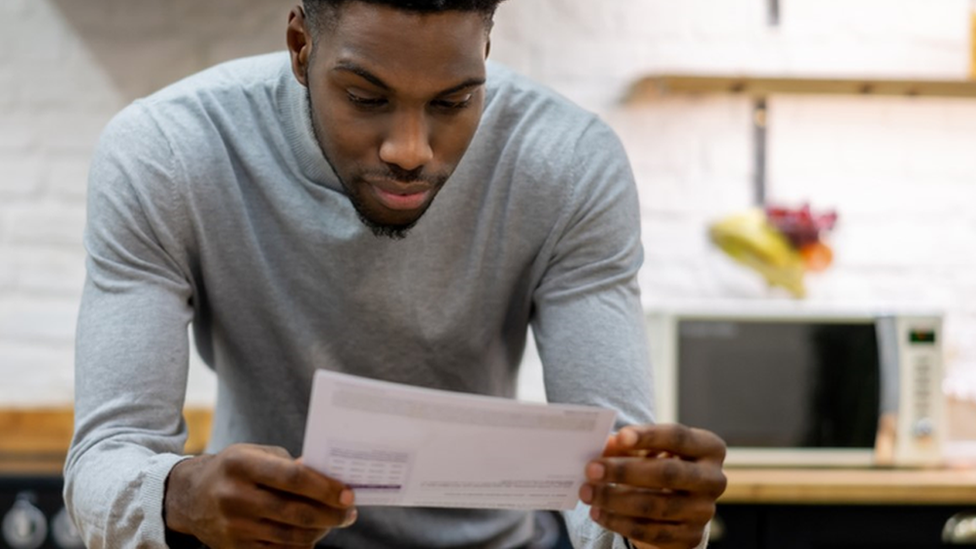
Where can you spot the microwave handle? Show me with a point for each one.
(887, 333)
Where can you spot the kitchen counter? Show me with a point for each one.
(31, 465)
(773, 508)
(35, 441)
(850, 486)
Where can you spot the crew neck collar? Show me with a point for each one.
(293, 107)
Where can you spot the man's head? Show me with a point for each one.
(396, 91)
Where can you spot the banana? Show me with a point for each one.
(750, 239)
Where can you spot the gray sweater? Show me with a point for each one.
(210, 203)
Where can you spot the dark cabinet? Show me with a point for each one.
(750, 526)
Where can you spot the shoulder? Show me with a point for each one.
(226, 95)
(518, 105)
(524, 115)
(239, 77)
(189, 121)
(548, 161)
(542, 142)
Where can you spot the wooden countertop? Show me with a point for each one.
(35, 441)
(850, 486)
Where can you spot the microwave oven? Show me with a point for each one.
(789, 386)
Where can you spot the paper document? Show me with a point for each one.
(401, 445)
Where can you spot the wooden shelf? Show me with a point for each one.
(850, 486)
(658, 85)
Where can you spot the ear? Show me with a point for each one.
(299, 42)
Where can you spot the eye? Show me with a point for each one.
(448, 105)
(365, 102)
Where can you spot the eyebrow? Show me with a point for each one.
(348, 66)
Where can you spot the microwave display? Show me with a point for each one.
(799, 384)
(921, 336)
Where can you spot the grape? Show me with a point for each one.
(800, 226)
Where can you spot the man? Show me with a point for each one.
(286, 206)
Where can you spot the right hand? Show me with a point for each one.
(253, 496)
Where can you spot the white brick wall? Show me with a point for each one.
(900, 171)
(56, 95)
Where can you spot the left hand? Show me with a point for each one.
(657, 484)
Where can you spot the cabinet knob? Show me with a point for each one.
(960, 529)
(64, 532)
(24, 526)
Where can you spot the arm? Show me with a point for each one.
(126, 482)
(589, 326)
(131, 348)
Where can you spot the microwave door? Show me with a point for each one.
(887, 330)
(782, 392)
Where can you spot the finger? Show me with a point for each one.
(686, 442)
(276, 533)
(289, 509)
(287, 535)
(274, 470)
(279, 532)
(664, 535)
(661, 473)
(614, 448)
(244, 532)
(649, 503)
(277, 451)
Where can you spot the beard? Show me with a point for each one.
(395, 231)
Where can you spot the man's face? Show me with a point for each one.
(395, 98)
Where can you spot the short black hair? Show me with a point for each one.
(324, 14)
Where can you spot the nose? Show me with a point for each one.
(407, 144)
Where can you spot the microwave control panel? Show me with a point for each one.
(920, 408)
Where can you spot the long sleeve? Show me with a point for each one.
(589, 322)
(588, 319)
(132, 346)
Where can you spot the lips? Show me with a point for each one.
(396, 196)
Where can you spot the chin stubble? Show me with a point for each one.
(392, 231)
